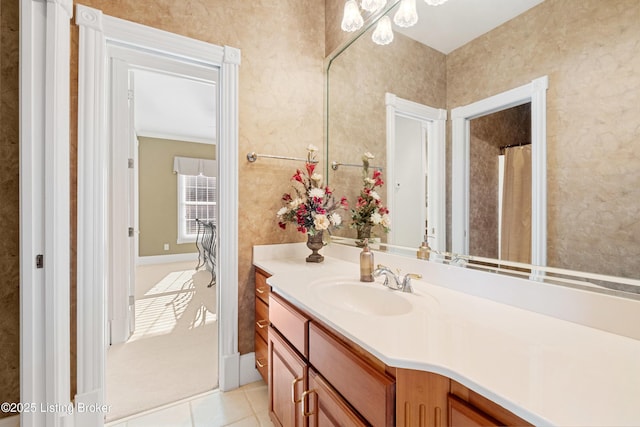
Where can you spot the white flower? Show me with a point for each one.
(316, 193)
(375, 195)
(386, 221)
(321, 222)
(369, 156)
(369, 181)
(283, 210)
(295, 203)
(376, 218)
(316, 177)
(335, 219)
(312, 148)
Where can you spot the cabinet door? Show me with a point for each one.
(287, 382)
(461, 414)
(325, 407)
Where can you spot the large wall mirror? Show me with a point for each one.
(588, 52)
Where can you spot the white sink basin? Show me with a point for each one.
(362, 298)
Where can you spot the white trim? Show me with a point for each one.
(436, 119)
(534, 92)
(96, 30)
(13, 421)
(248, 372)
(166, 259)
(44, 208)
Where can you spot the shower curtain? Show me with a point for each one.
(516, 206)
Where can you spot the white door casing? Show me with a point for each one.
(436, 124)
(44, 210)
(97, 32)
(536, 93)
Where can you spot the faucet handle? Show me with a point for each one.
(406, 283)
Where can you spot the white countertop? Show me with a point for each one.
(545, 370)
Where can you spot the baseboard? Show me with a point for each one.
(229, 375)
(164, 259)
(12, 421)
(248, 371)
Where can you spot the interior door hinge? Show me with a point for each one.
(129, 94)
(39, 261)
(130, 231)
(130, 163)
(132, 300)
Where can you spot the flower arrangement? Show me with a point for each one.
(369, 210)
(311, 207)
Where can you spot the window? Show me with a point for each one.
(197, 199)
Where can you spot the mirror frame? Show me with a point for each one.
(536, 93)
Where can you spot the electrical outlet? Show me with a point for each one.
(166, 246)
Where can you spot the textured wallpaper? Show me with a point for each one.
(9, 207)
(589, 49)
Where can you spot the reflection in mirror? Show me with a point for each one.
(589, 51)
(500, 183)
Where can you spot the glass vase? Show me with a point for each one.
(364, 232)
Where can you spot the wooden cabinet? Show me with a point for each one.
(325, 407)
(262, 292)
(421, 399)
(340, 387)
(287, 382)
(468, 408)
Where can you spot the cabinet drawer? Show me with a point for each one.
(262, 355)
(262, 319)
(369, 391)
(325, 407)
(292, 324)
(262, 288)
(461, 414)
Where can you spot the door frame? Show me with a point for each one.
(436, 119)
(44, 210)
(536, 93)
(96, 32)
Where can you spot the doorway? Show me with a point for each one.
(96, 219)
(159, 302)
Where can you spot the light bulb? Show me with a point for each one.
(406, 16)
(373, 5)
(351, 20)
(383, 33)
(435, 2)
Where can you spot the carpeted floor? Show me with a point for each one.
(173, 353)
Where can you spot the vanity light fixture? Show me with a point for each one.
(352, 19)
(373, 5)
(406, 16)
(383, 34)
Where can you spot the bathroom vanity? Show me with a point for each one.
(342, 352)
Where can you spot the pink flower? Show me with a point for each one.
(344, 202)
(328, 191)
(297, 176)
(302, 229)
(282, 225)
(377, 174)
(310, 168)
(286, 197)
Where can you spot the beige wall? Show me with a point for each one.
(158, 193)
(9, 207)
(589, 50)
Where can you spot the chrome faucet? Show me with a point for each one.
(402, 283)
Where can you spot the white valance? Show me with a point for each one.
(193, 166)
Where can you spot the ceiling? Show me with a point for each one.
(457, 22)
(174, 107)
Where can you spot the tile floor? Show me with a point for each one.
(246, 406)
